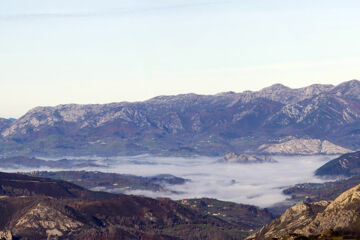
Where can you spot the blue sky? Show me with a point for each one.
(77, 51)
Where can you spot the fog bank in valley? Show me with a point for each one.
(256, 184)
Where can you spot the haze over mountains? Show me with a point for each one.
(192, 124)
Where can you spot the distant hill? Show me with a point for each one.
(345, 165)
(16, 185)
(21, 162)
(112, 182)
(314, 192)
(191, 124)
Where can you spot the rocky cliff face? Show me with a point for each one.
(317, 220)
(190, 123)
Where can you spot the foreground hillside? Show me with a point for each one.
(41, 208)
(246, 216)
(196, 124)
(338, 219)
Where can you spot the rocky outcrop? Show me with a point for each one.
(43, 218)
(245, 158)
(296, 217)
(317, 220)
(303, 147)
(6, 235)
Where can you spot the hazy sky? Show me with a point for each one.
(77, 51)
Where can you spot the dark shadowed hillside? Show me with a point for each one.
(12, 184)
(21, 162)
(112, 182)
(345, 165)
(314, 192)
(246, 216)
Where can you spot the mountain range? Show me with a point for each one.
(190, 124)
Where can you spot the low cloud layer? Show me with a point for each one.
(256, 184)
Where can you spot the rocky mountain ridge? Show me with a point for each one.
(191, 123)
